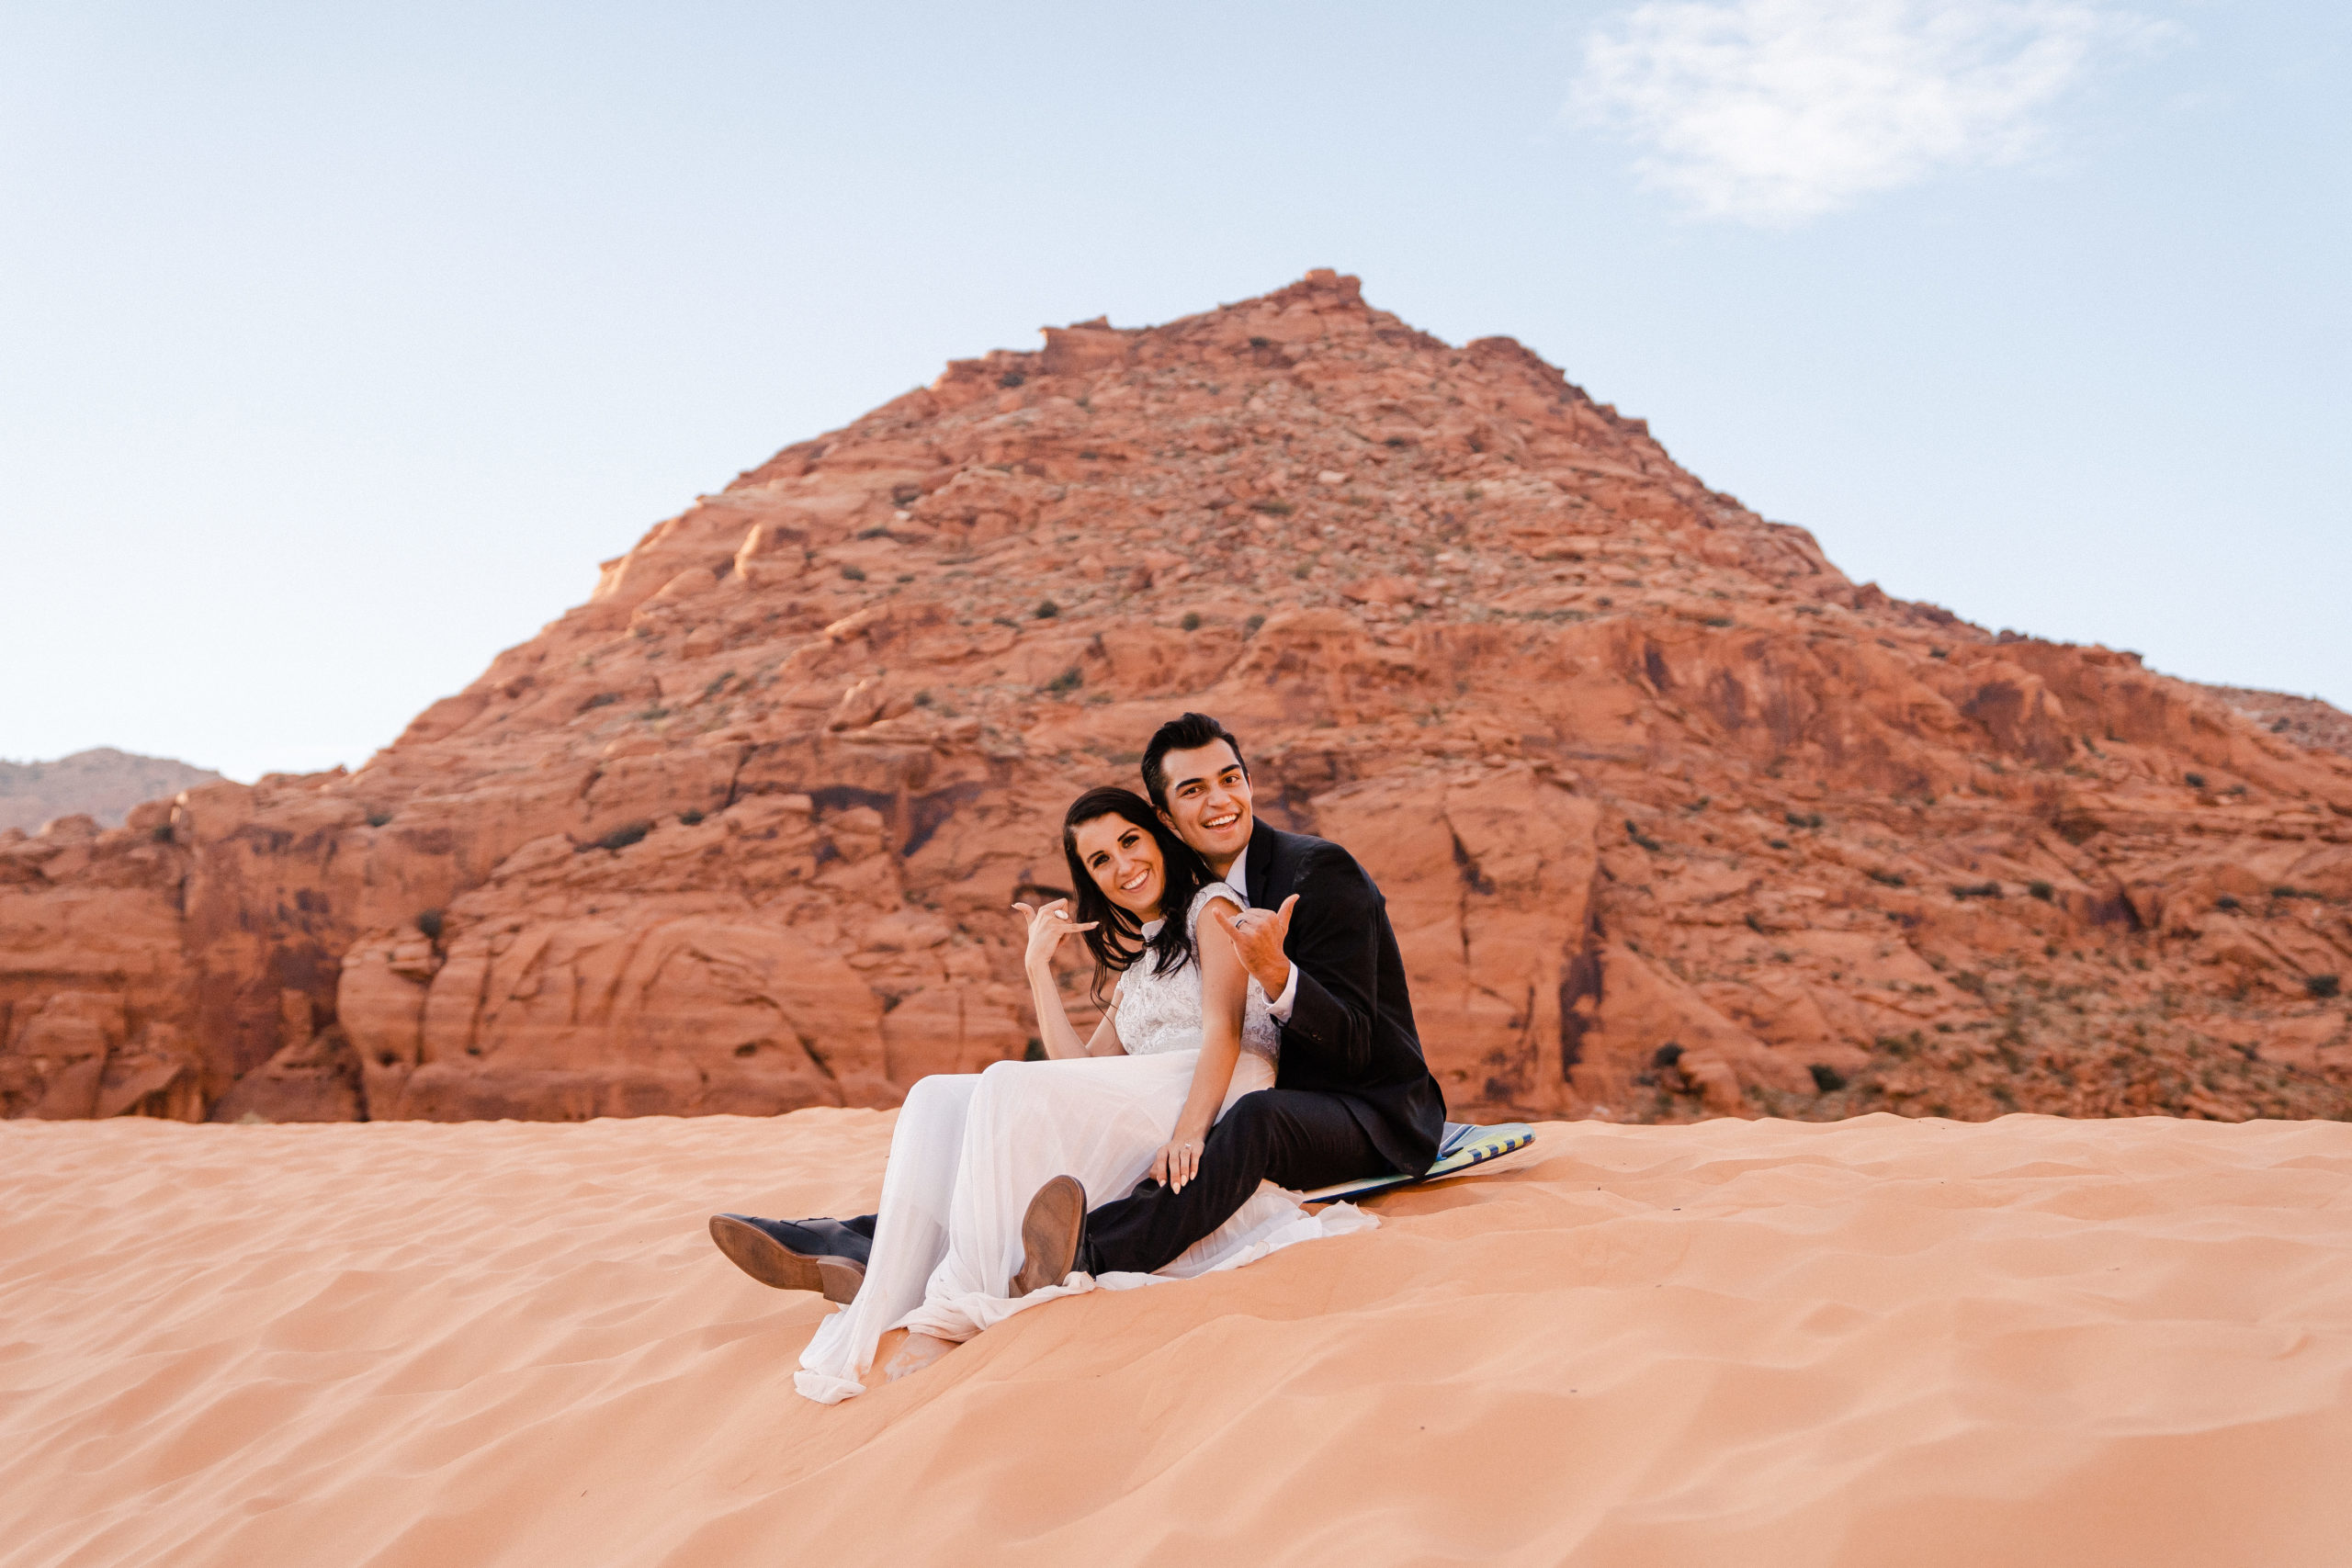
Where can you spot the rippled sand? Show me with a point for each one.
(1877, 1343)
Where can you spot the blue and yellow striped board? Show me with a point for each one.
(1463, 1146)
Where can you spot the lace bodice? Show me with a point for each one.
(1162, 1012)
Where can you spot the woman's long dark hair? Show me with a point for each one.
(1117, 940)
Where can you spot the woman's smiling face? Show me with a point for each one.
(1124, 860)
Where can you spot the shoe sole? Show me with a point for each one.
(771, 1262)
(1049, 1236)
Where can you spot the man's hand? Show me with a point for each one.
(1258, 936)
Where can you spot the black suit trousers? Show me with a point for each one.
(1295, 1138)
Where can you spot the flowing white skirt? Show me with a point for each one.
(969, 1152)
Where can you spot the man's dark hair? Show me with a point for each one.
(1185, 732)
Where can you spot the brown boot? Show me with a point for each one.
(1051, 1233)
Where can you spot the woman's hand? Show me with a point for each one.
(1047, 928)
(1179, 1159)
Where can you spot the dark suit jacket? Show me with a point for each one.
(1350, 1030)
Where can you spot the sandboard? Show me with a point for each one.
(1464, 1145)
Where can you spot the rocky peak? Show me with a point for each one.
(1673, 818)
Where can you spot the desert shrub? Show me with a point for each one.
(2322, 985)
(1887, 878)
(1191, 621)
(1068, 681)
(1273, 508)
(690, 817)
(1047, 609)
(378, 818)
(1976, 890)
(1011, 378)
(1827, 1080)
(431, 922)
(2194, 781)
(854, 573)
(1250, 627)
(623, 836)
(1666, 1055)
(2042, 890)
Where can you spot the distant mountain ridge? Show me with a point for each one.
(2307, 721)
(101, 783)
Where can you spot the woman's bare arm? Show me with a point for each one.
(1224, 990)
(1106, 1040)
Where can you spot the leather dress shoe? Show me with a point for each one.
(807, 1255)
(1052, 1231)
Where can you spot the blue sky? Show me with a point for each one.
(338, 344)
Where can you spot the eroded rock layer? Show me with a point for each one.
(1673, 819)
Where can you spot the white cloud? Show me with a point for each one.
(1773, 111)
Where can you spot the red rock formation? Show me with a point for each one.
(1673, 819)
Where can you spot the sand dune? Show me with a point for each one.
(1879, 1342)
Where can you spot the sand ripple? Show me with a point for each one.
(1880, 1342)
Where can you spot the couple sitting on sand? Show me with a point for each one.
(1260, 1044)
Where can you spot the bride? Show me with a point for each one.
(1186, 1034)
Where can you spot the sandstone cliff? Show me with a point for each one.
(1673, 819)
(102, 783)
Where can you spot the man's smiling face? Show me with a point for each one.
(1208, 802)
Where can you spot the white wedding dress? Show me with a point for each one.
(971, 1149)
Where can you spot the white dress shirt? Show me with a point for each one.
(1236, 876)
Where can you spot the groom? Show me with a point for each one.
(1352, 1097)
